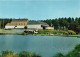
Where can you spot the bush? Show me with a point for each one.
(50, 32)
(73, 53)
(77, 47)
(25, 54)
(7, 54)
(59, 55)
(71, 32)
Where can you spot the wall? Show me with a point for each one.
(12, 27)
(19, 27)
(9, 27)
(34, 26)
(50, 28)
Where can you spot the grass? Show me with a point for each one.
(21, 54)
(51, 32)
(73, 53)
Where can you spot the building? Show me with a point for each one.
(31, 25)
(38, 25)
(49, 28)
(17, 23)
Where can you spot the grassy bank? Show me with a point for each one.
(68, 33)
(11, 32)
(73, 53)
(21, 54)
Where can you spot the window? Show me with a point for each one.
(19, 23)
(24, 23)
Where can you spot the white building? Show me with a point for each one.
(22, 23)
(38, 25)
(17, 23)
(50, 28)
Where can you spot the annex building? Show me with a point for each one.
(38, 25)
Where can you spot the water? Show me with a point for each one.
(46, 46)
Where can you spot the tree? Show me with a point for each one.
(0, 24)
(78, 29)
(79, 21)
(55, 23)
(25, 28)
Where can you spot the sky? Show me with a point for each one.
(39, 9)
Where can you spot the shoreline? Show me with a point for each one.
(78, 36)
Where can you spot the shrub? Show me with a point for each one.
(59, 55)
(7, 54)
(21, 54)
(27, 54)
(77, 47)
(73, 53)
(71, 32)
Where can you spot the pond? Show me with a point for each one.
(46, 46)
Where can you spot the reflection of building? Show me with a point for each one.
(17, 23)
(38, 25)
(21, 23)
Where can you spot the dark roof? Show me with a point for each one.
(19, 20)
(36, 22)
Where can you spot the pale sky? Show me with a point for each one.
(39, 9)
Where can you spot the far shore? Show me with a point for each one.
(50, 33)
(40, 34)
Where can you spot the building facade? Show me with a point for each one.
(38, 25)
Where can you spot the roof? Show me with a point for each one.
(36, 22)
(15, 22)
(19, 20)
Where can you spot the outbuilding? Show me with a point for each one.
(38, 25)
